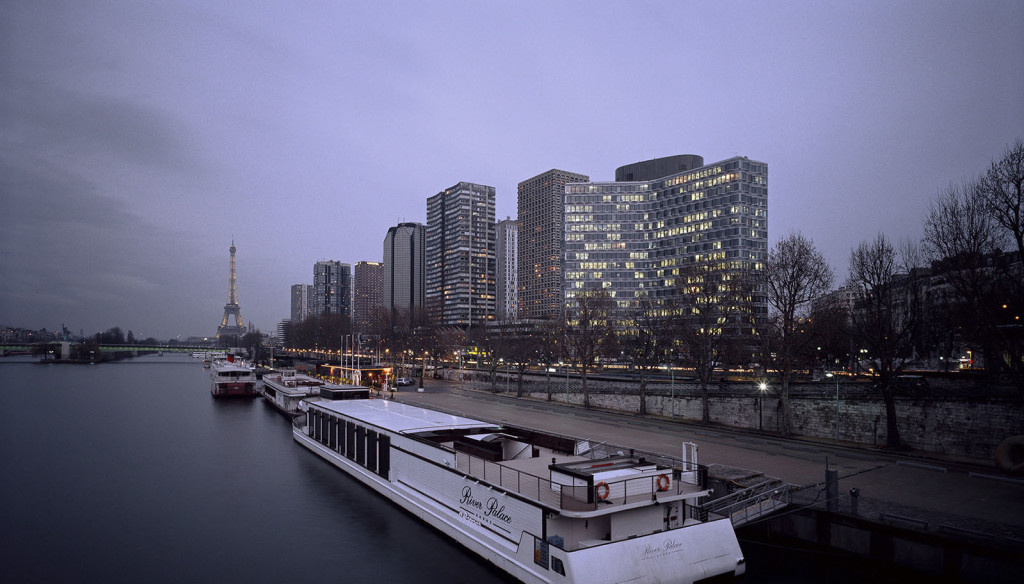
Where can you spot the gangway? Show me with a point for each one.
(751, 503)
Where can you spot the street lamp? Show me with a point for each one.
(762, 387)
(837, 402)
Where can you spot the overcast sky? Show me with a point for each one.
(138, 138)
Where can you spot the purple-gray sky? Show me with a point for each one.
(136, 138)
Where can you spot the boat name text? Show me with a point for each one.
(489, 509)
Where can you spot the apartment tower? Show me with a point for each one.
(404, 247)
(541, 208)
(460, 270)
(506, 256)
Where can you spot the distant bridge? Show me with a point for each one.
(33, 348)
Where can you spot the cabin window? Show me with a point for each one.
(360, 445)
(384, 456)
(333, 430)
(371, 450)
(557, 567)
(340, 449)
(324, 430)
(316, 425)
(350, 441)
(540, 552)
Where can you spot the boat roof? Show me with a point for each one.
(399, 417)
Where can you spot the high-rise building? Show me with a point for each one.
(332, 288)
(507, 253)
(541, 208)
(302, 302)
(404, 247)
(460, 266)
(631, 238)
(368, 295)
(231, 327)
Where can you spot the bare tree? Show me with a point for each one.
(885, 319)
(704, 304)
(795, 275)
(588, 332)
(962, 236)
(1001, 190)
(644, 343)
(550, 348)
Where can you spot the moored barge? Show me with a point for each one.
(286, 388)
(543, 508)
(230, 378)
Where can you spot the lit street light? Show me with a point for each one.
(837, 402)
(763, 387)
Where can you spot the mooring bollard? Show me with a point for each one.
(854, 499)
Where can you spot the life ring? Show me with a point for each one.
(602, 490)
(663, 482)
(1010, 455)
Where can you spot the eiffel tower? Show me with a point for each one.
(231, 311)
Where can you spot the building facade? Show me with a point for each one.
(368, 295)
(301, 302)
(404, 248)
(541, 208)
(631, 238)
(460, 255)
(332, 288)
(506, 260)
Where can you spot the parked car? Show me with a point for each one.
(403, 381)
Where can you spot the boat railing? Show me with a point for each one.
(672, 482)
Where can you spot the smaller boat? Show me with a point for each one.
(284, 390)
(230, 378)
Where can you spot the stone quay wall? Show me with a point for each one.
(947, 417)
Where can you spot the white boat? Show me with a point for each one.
(286, 388)
(230, 378)
(543, 508)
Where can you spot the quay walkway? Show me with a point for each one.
(945, 498)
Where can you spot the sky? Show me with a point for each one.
(138, 139)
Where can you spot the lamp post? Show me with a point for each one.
(837, 402)
(762, 387)
(672, 376)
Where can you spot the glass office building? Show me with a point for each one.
(630, 238)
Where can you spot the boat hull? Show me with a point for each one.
(497, 526)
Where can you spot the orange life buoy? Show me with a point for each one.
(663, 482)
(602, 490)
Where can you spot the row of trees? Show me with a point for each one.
(956, 286)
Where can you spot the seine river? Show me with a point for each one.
(132, 472)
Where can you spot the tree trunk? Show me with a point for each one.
(892, 431)
(586, 394)
(547, 372)
(784, 399)
(643, 395)
(519, 383)
(705, 414)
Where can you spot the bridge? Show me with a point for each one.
(54, 348)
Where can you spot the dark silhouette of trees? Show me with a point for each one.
(323, 332)
(795, 275)
(1000, 188)
(645, 344)
(588, 332)
(707, 305)
(962, 236)
(884, 321)
(550, 347)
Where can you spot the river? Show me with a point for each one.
(131, 472)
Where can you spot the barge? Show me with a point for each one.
(229, 378)
(541, 507)
(286, 388)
